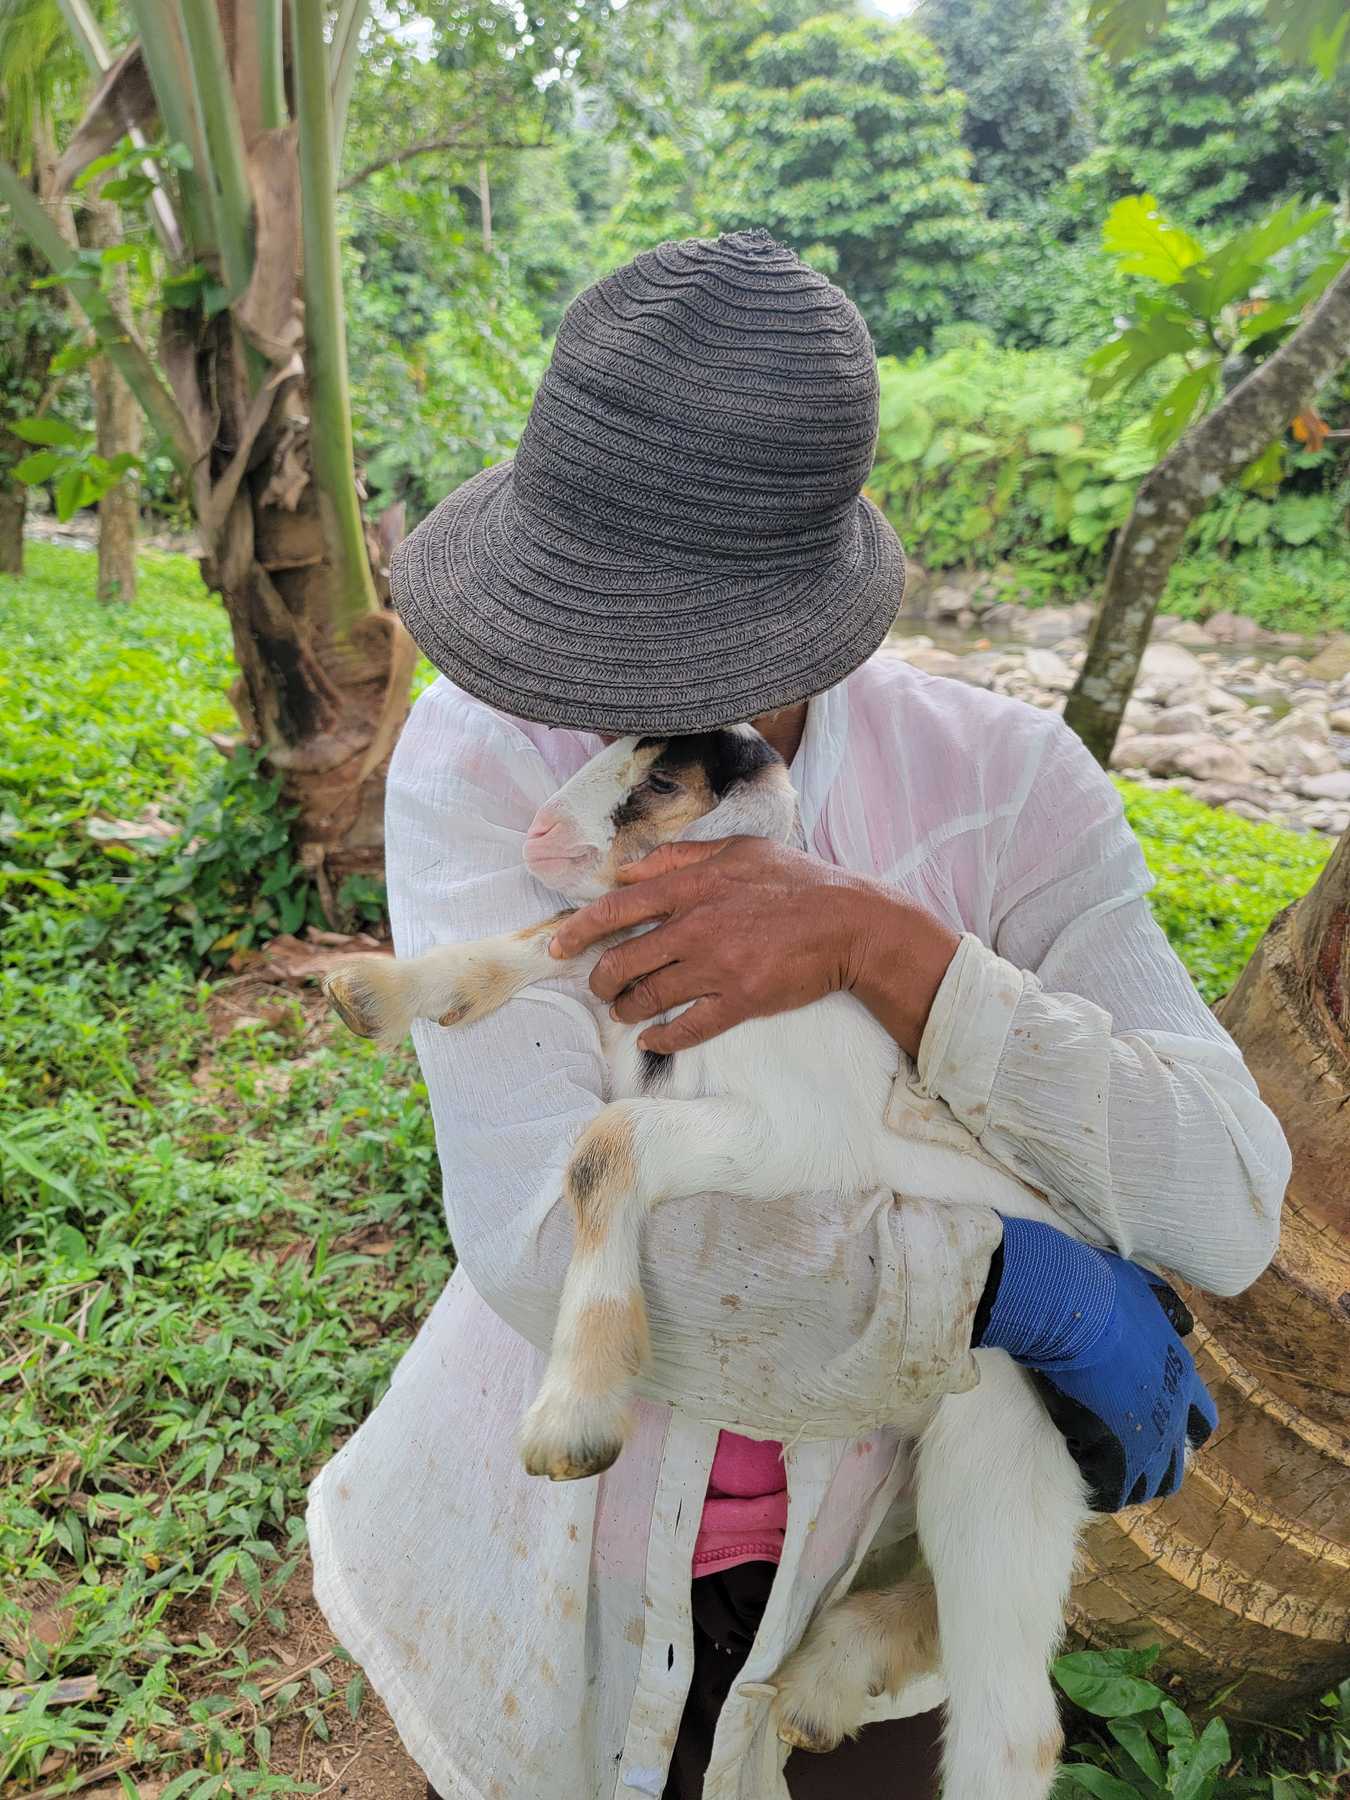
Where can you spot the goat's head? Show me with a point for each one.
(643, 791)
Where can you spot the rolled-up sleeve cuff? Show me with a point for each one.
(967, 1030)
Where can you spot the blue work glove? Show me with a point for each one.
(1101, 1338)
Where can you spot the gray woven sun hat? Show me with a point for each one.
(681, 541)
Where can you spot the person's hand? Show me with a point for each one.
(751, 928)
(1102, 1339)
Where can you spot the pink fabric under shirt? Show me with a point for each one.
(745, 1513)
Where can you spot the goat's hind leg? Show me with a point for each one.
(380, 996)
(633, 1155)
(1001, 1504)
(868, 1643)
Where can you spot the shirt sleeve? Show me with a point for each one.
(812, 1317)
(1079, 1053)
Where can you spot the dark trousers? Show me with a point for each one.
(897, 1760)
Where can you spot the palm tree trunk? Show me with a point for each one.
(117, 420)
(1246, 1572)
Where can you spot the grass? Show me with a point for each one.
(220, 1224)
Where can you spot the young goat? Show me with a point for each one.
(762, 1112)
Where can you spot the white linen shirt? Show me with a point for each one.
(533, 1641)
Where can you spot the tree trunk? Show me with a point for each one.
(1211, 454)
(1246, 1572)
(13, 507)
(323, 702)
(118, 425)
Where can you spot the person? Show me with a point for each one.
(682, 542)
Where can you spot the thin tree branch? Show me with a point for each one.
(429, 147)
(116, 335)
(330, 434)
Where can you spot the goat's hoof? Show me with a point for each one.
(572, 1440)
(804, 1733)
(361, 993)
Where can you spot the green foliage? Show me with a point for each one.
(114, 806)
(68, 458)
(1199, 308)
(843, 140)
(985, 452)
(197, 1249)
(1207, 114)
(1146, 1748)
(218, 1241)
(1219, 880)
(1020, 66)
(433, 407)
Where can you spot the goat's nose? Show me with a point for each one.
(541, 826)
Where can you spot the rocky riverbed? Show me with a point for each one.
(1254, 721)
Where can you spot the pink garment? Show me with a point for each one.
(745, 1512)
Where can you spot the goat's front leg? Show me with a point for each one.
(380, 996)
(633, 1155)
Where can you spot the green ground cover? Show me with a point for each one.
(220, 1222)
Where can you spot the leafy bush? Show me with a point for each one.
(1147, 1748)
(1219, 880)
(985, 452)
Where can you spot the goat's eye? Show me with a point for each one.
(663, 784)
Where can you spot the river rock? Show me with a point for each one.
(1340, 720)
(1048, 669)
(1174, 721)
(1332, 662)
(1219, 700)
(1202, 758)
(1050, 624)
(946, 602)
(1288, 757)
(926, 656)
(1332, 786)
(1310, 720)
(1231, 628)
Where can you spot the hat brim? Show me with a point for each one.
(563, 631)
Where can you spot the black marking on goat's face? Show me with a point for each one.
(687, 778)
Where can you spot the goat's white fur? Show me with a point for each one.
(762, 1112)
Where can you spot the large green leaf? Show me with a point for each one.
(1236, 267)
(1103, 1682)
(1121, 28)
(1132, 353)
(40, 466)
(1099, 1783)
(1276, 316)
(1144, 243)
(1182, 403)
(1311, 31)
(1139, 1747)
(48, 431)
(1191, 1768)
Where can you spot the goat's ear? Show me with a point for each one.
(764, 806)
